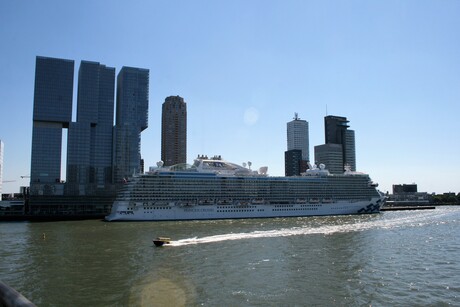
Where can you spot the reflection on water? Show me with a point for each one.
(151, 291)
(400, 258)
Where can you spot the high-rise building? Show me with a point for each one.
(335, 128)
(297, 136)
(1, 167)
(90, 140)
(292, 162)
(52, 112)
(337, 132)
(350, 151)
(297, 156)
(174, 131)
(331, 155)
(131, 120)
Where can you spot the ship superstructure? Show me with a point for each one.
(213, 188)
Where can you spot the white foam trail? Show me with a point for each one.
(383, 223)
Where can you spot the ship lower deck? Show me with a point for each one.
(123, 210)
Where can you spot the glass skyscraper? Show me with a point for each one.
(52, 112)
(339, 148)
(90, 139)
(131, 120)
(174, 131)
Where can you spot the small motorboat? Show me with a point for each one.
(160, 241)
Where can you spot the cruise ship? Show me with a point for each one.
(213, 188)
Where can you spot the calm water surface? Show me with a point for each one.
(405, 258)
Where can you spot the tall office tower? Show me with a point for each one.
(1, 167)
(334, 128)
(297, 136)
(336, 132)
(297, 156)
(52, 112)
(131, 120)
(90, 140)
(174, 131)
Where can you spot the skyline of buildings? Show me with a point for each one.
(337, 154)
(174, 131)
(99, 153)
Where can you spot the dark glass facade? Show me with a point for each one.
(292, 162)
(334, 128)
(174, 131)
(404, 188)
(52, 112)
(131, 120)
(90, 141)
(337, 132)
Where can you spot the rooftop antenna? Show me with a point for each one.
(296, 116)
(326, 109)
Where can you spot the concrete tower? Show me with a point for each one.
(174, 131)
(297, 156)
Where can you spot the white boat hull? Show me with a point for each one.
(123, 210)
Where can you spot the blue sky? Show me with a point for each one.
(244, 67)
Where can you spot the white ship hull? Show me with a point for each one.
(125, 211)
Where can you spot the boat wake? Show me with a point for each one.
(417, 219)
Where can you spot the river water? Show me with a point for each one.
(402, 258)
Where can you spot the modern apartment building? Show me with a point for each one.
(52, 113)
(174, 131)
(131, 120)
